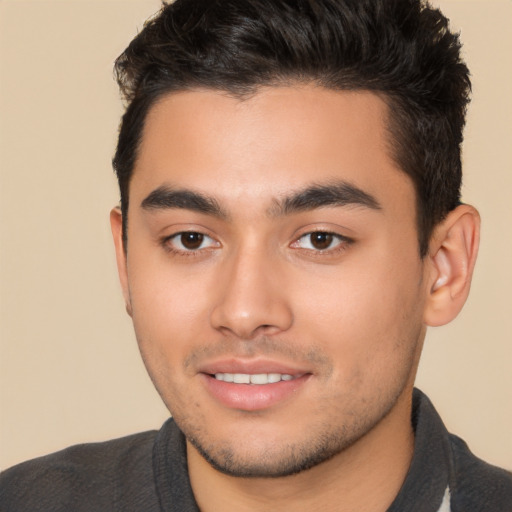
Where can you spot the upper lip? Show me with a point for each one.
(251, 366)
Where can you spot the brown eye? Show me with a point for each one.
(320, 240)
(191, 240)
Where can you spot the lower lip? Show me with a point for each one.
(253, 397)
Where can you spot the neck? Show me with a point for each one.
(367, 476)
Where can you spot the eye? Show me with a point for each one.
(190, 241)
(320, 241)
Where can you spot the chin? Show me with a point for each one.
(252, 458)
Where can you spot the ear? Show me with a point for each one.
(452, 256)
(116, 224)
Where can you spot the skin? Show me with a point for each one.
(346, 312)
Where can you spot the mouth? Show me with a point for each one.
(253, 385)
(260, 379)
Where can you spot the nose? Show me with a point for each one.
(252, 299)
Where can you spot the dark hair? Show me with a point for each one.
(401, 49)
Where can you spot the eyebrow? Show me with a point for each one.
(339, 193)
(165, 197)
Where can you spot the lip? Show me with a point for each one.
(252, 397)
(259, 365)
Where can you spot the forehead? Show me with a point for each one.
(277, 140)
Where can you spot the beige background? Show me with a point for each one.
(70, 371)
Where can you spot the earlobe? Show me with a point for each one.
(116, 224)
(453, 252)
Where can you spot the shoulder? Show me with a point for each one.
(476, 485)
(83, 477)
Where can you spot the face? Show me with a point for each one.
(273, 273)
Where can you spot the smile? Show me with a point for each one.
(257, 378)
(253, 391)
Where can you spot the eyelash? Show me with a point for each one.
(342, 244)
(167, 244)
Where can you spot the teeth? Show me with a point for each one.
(241, 378)
(274, 377)
(257, 378)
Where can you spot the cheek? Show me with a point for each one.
(169, 311)
(164, 293)
(368, 317)
(360, 300)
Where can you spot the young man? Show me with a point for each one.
(290, 224)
